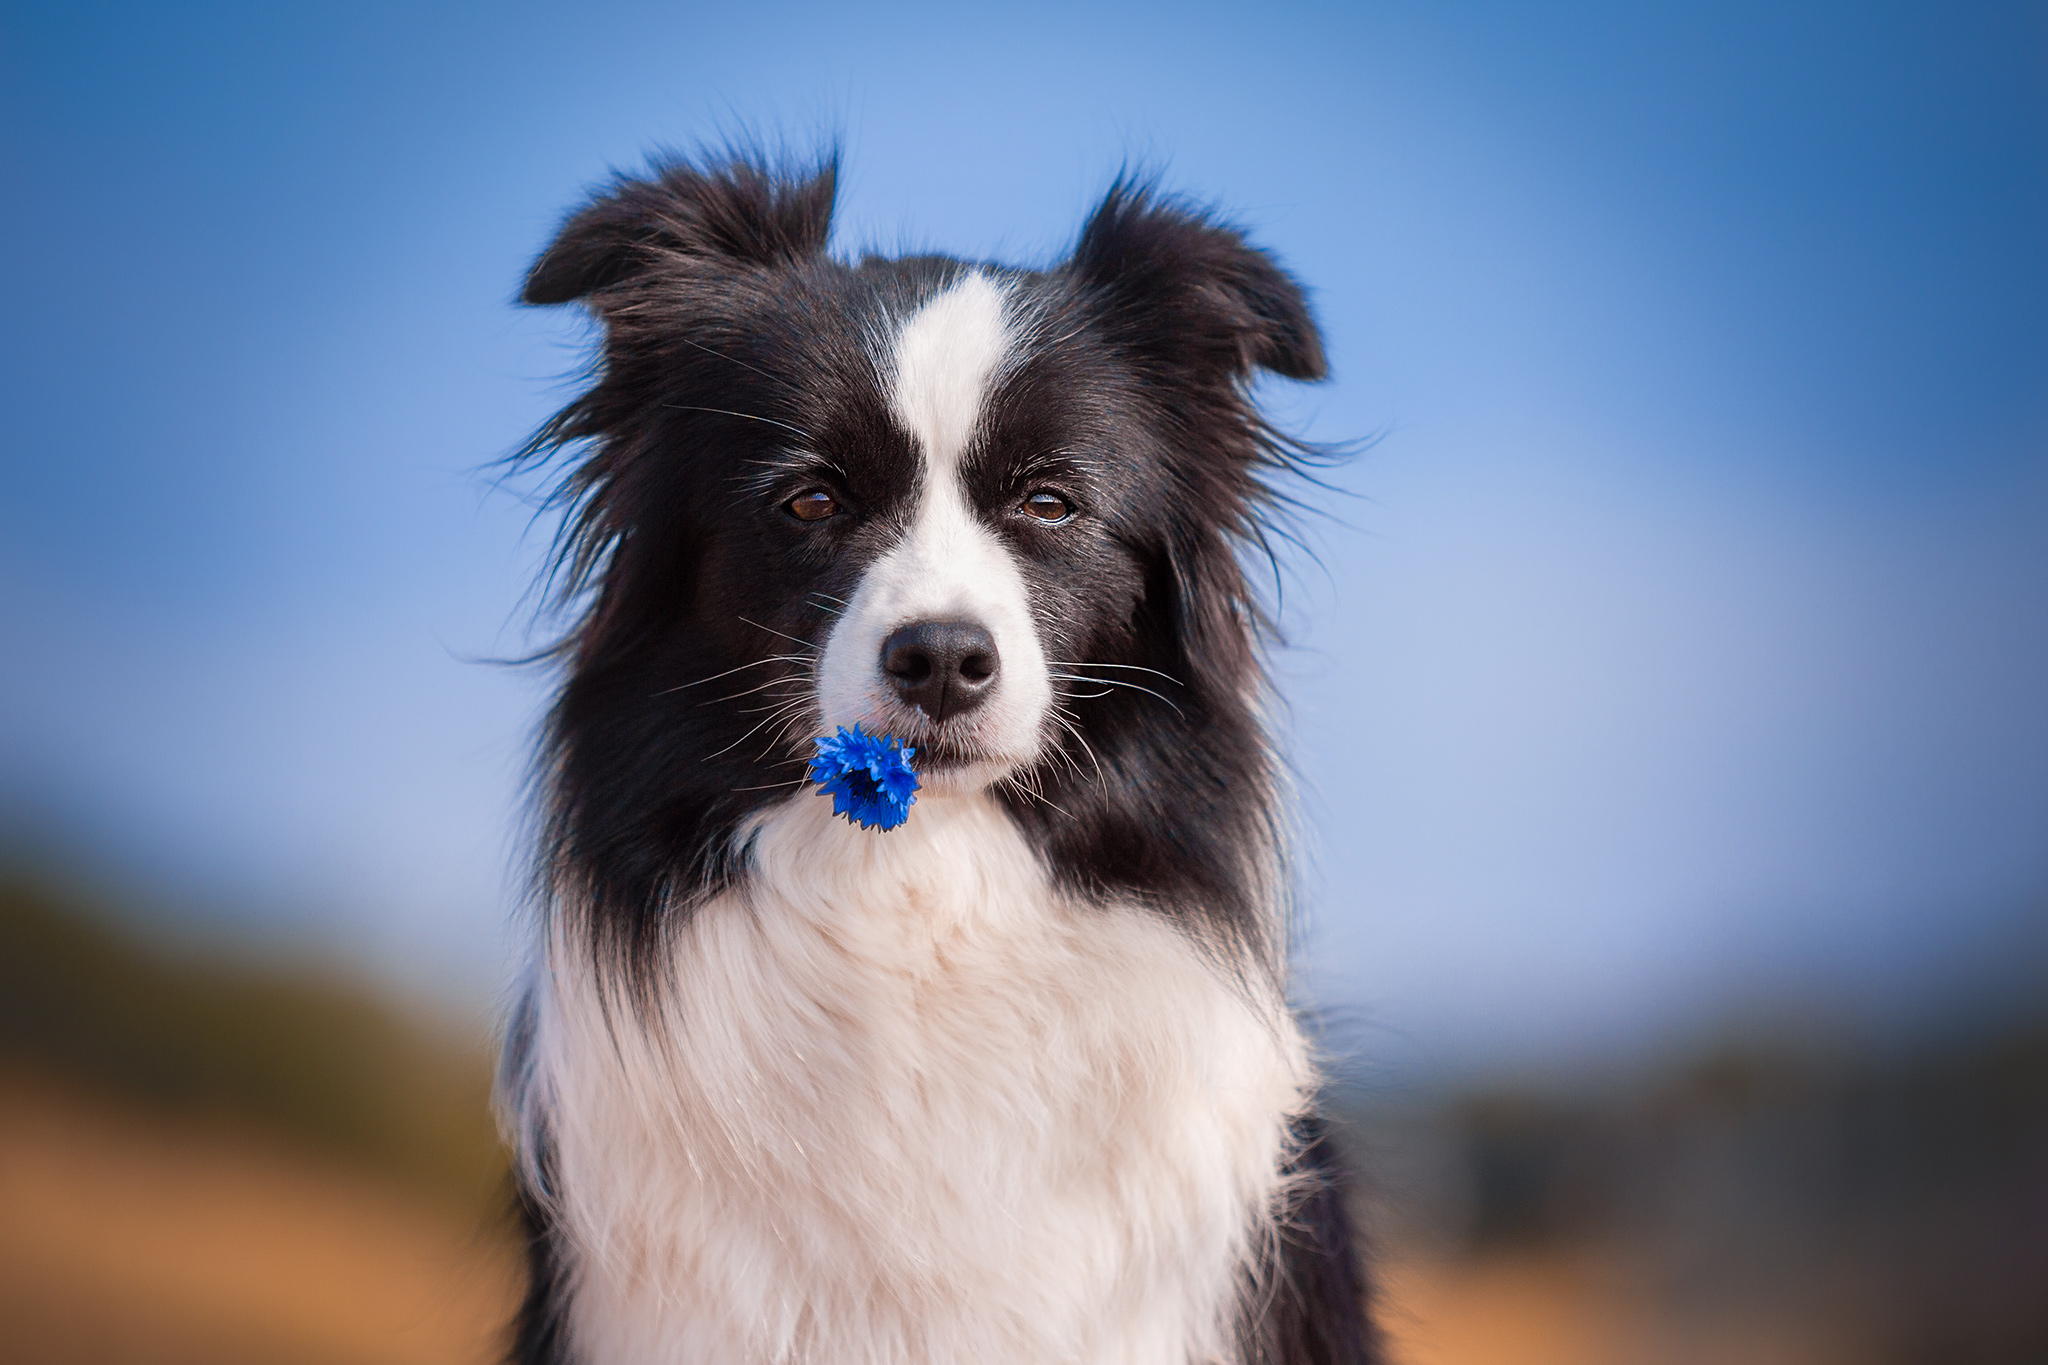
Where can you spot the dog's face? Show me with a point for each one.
(993, 512)
(939, 642)
(917, 551)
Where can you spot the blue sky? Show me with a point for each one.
(1682, 642)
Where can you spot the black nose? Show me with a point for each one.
(944, 668)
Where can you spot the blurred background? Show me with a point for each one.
(1668, 683)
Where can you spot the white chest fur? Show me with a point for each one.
(904, 1104)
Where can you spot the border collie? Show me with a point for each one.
(1017, 1082)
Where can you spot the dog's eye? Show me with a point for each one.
(815, 505)
(1047, 505)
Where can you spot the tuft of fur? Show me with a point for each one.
(1016, 1081)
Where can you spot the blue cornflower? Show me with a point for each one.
(868, 777)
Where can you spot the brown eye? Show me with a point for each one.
(815, 505)
(1048, 506)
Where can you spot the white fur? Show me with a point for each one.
(946, 354)
(900, 1102)
(949, 566)
(903, 1103)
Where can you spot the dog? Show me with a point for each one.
(1016, 1082)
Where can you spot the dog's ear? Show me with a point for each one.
(739, 213)
(1186, 290)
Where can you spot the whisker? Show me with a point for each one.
(734, 360)
(1060, 752)
(1034, 795)
(1135, 668)
(1118, 682)
(780, 703)
(772, 682)
(804, 759)
(766, 720)
(784, 634)
(1067, 722)
(771, 659)
(782, 736)
(748, 416)
(771, 786)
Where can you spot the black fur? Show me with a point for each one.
(736, 371)
(537, 1336)
(1314, 1310)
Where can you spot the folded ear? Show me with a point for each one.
(1189, 290)
(740, 212)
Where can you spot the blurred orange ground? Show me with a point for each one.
(1527, 1311)
(1558, 1307)
(127, 1238)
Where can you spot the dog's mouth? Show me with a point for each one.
(951, 751)
(937, 754)
(938, 748)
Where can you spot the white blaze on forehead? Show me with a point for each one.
(948, 565)
(946, 355)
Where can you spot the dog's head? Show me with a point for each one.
(995, 512)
